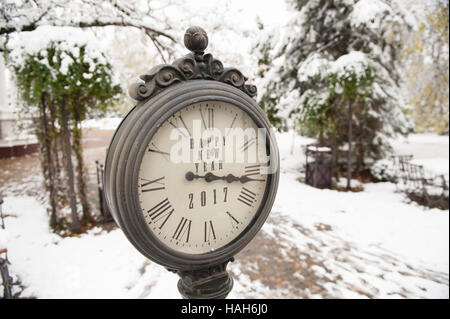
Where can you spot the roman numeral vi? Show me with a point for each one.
(247, 197)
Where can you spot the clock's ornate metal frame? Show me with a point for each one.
(193, 66)
(166, 90)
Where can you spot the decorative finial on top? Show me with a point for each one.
(196, 40)
(193, 66)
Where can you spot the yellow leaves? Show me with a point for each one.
(431, 109)
(426, 64)
(422, 27)
(439, 23)
(418, 46)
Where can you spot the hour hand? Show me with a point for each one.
(210, 177)
(191, 176)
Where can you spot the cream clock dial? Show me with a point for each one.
(206, 201)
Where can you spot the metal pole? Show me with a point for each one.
(1, 213)
(7, 280)
(100, 187)
(211, 282)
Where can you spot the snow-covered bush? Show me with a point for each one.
(384, 171)
(61, 82)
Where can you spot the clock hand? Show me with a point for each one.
(190, 176)
(210, 177)
(245, 179)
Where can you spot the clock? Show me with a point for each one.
(191, 173)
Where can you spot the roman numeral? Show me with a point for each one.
(231, 126)
(155, 149)
(149, 182)
(247, 197)
(179, 130)
(247, 144)
(184, 124)
(203, 119)
(160, 211)
(183, 230)
(209, 230)
(210, 118)
(233, 220)
(252, 170)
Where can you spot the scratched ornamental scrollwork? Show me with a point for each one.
(193, 66)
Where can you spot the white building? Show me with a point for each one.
(13, 142)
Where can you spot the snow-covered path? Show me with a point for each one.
(316, 244)
(329, 244)
(294, 261)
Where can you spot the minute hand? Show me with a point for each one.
(210, 177)
(245, 179)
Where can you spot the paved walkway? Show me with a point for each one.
(22, 175)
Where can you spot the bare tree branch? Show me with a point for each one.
(157, 45)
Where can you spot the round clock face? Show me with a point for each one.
(201, 180)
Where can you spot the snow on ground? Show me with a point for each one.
(376, 217)
(429, 150)
(95, 265)
(316, 244)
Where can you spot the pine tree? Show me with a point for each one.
(333, 70)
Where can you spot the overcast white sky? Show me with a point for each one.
(271, 12)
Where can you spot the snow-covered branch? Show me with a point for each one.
(20, 16)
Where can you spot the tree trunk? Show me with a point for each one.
(350, 140)
(334, 146)
(349, 150)
(50, 164)
(62, 186)
(56, 141)
(81, 183)
(67, 148)
(334, 157)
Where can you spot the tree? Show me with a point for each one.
(64, 81)
(333, 69)
(28, 15)
(426, 64)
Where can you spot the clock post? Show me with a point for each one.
(193, 217)
(211, 282)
